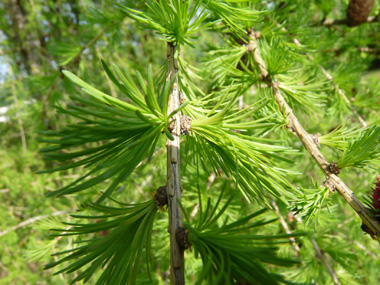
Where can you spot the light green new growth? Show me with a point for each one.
(363, 150)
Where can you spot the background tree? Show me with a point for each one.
(242, 78)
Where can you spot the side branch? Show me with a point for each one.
(286, 228)
(296, 128)
(341, 93)
(317, 249)
(336, 87)
(31, 221)
(322, 257)
(173, 186)
(341, 22)
(368, 50)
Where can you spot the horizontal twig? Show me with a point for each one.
(341, 22)
(31, 221)
(368, 50)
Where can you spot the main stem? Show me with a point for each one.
(173, 185)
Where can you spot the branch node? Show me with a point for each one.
(253, 35)
(185, 124)
(333, 168)
(367, 230)
(182, 98)
(315, 137)
(161, 198)
(181, 236)
(329, 184)
(290, 127)
(266, 78)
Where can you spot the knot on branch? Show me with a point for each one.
(185, 124)
(253, 34)
(161, 198)
(171, 127)
(329, 184)
(333, 168)
(181, 237)
(265, 78)
(289, 124)
(181, 98)
(316, 139)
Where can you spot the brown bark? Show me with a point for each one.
(173, 186)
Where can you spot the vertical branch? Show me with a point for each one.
(173, 186)
(18, 16)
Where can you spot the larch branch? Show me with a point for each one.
(286, 227)
(336, 87)
(309, 144)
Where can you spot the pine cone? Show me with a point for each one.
(358, 11)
